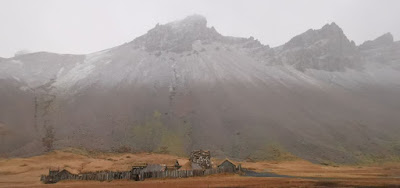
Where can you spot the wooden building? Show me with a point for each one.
(227, 166)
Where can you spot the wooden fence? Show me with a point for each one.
(99, 176)
(184, 173)
(129, 175)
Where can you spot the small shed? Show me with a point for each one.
(64, 174)
(56, 175)
(137, 167)
(228, 166)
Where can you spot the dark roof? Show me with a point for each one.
(64, 171)
(226, 162)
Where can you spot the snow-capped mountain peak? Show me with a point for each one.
(177, 36)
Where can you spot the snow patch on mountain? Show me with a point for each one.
(79, 72)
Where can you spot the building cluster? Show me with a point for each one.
(199, 165)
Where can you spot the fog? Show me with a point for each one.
(171, 82)
(79, 27)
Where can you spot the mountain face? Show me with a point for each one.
(184, 86)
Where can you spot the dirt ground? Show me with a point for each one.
(25, 172)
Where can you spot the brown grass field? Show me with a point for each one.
(25, 172)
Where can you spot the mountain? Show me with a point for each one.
(382, 41)
(324, 49)
(184, 86)
(383, 50)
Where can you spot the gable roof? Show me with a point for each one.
(227, 162)
(64, 171)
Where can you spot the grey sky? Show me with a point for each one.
(84, 26)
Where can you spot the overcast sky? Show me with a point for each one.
(84, 26)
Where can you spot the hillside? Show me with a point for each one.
(184, 86)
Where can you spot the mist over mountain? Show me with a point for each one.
(184, 86)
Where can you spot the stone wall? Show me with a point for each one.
(202, 158)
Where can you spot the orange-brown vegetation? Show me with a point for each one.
(25, 172)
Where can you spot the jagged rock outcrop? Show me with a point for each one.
(177, 36)
(324, 49)
(384, 40)
(382, 51)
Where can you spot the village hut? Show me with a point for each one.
(64, 174)
(227, 166)
(136, 171)
(137, 167)
(56, 175)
